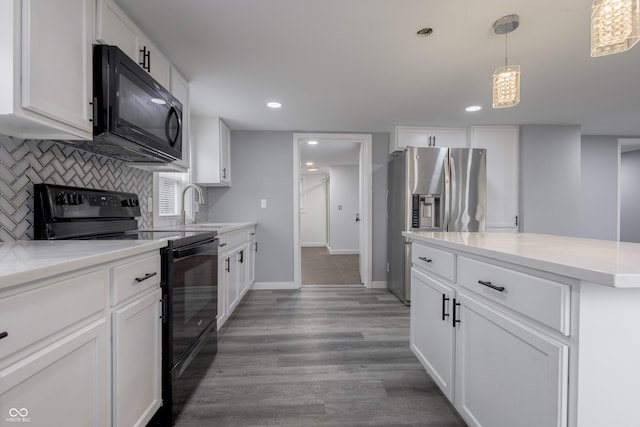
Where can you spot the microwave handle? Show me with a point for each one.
(172, 141)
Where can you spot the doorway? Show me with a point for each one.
(332, 208)
(628, 194)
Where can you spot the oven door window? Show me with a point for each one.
(195, 298)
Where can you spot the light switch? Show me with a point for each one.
(263, 203)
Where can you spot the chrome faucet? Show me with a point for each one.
(200, 200)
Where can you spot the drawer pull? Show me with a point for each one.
(146, 276)
(4, 335)
(222, 245)
(492, 286)
(425, 259)
(444, 307)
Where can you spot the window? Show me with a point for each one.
(168, 193)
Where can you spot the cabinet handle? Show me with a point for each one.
(228, 269)
(146, 59)
(516, 220)
(146, 276)
(241, 257)
(425, 259)
(444, 307)
(253, 234)
(492, 286)
(256, 247)
(224, 173)
(456, 319)
(221, 245)
(4, 335)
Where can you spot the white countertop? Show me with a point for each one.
(220, 227)
(600, 261)
(24, 261)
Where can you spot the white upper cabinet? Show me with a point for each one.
(113, 27)
(46, 74)
(211, 142)
(418, 136)
(501, 143)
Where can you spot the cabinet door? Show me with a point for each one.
(65, 384)
(243, 270)
(252, 253)
(431, 333)
(114, 28)
(155, 63)
(410, 137)
(507, 374)
(452, 138)
(225, 154)
(137, 353)
(233, 268)
(57, 79)
(501, 143)
(223, 289)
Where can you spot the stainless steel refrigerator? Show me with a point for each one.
(431, 189)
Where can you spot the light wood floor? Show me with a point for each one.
(319, 267)
(319, 356)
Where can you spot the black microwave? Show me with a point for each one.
(134, 119)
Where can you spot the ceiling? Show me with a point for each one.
(357, 65)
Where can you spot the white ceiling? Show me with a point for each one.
(357, 65)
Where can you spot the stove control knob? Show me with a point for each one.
(62, 199)
(73, 199)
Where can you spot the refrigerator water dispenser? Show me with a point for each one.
(426, 211)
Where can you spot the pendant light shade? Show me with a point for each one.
(506, 86)
(615, 26)
(506, 80)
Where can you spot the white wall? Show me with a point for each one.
(630, 197)
(550, 185)
(599, 187)
(343, 206)
(313, 213)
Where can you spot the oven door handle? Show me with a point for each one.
(192, 249)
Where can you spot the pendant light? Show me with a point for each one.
(615, 26)
(506, 80)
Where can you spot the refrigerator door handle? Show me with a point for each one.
(386, 202)
(446, 199)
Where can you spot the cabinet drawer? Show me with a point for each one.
(233, 239)
(535, 297)
(433, 260)
(31, 316)
(134, 277)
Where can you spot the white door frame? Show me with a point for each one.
(366, 141)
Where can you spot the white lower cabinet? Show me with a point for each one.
(64, 384)
(507, 374)
(497, 366)
(137, 360)
(236, 263)
(432, 337)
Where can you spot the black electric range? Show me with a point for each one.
(189, 277)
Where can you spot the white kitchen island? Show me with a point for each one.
(528, 329)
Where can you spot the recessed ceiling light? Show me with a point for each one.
(312, 142)
(473, 108)
(313, 169)
(424, 32)
(309, 163)
(274, 104)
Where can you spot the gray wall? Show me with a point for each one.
(599, 187)
(24, 163)
(630, 197)
(550, 179)
(262, 168)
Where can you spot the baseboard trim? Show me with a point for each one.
(343, 252)
(314, 245)
(273, 285)
(379, 284)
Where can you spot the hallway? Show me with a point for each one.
(321, 268)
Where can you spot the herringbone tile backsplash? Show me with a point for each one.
(26, 162)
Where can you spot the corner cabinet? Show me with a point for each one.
(501, 143)
(211, 141)
(499, 358)
(418, 136)
(46, 85)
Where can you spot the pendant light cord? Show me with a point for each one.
(506, 48)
